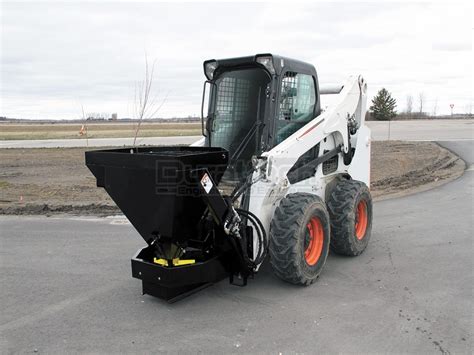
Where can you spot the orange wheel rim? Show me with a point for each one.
(314, 241)
(361, 220)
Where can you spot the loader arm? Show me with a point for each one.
(333, 121)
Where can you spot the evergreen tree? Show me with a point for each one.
(383, 106)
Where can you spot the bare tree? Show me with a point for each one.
(435, 106)
(145, 102)
(421, 100)
(84, 129)
(409, 104)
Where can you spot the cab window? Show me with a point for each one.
(297, 102)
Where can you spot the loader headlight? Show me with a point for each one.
(210, 67)
(267, 62)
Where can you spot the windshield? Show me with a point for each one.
(237, 112)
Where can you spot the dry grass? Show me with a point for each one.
(95, 130)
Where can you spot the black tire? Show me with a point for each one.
(299, 238)
(346, 202)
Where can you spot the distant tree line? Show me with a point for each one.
(383, 108)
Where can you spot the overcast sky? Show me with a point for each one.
(58, 56)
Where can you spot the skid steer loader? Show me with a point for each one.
(274, 175)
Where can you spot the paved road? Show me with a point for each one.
(66, 287)
(432, 130)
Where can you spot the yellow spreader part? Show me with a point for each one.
(162, 262)
(176, 262)
(180, 262)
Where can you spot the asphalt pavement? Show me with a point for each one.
(423, 130)
(414, 130)
(66, 287)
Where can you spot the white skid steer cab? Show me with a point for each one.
(274, 175)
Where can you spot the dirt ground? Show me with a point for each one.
(56, 181)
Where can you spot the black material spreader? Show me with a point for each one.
(165, 192)
(157, 188)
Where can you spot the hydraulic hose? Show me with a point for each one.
(261, 237)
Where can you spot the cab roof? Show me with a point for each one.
(280, 64)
